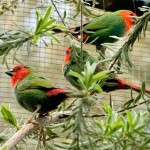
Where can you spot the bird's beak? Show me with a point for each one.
(10, 72)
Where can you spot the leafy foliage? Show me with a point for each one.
(111, 129)
(82, 130)
(8, 116)
(14, 40)
(88, 80)
(45, 24)
(81, 7)
(6, 134)
(122, 54)
(123, 131)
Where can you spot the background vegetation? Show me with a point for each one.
(95, 121)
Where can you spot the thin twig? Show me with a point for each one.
(58, 13)
(44, 121)
(122, 110)
(81, 32)
(133, 106)
(140, 26)
(111, 66)
(30, 128)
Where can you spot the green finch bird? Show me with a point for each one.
(35, 92)
(99, 30)
(74, 61)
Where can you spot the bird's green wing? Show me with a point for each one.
(34, 81)
(103, 22)
(99, 23)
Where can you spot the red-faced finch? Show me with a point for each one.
(35, 92)
(100, 29)
(75, 59)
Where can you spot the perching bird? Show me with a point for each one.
(74, 61)
(35, 92)
(99, 30)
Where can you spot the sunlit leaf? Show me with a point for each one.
(98, 88)
(137, 98)
(47, 15)
(100, 75)
(8, 116)
(128, 103)
(53, 37)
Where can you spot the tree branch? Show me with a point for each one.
(31, 127)
(44, 121)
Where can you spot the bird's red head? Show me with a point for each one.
(17, 73)
(129, 18)
(67, 56)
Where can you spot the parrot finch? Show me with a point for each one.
(73, 61)
(35, 92)
(99, 30)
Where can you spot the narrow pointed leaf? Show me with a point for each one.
(53, 37)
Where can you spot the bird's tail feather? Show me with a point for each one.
(136, 87)
(126, 85)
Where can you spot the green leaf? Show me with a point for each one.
(107, 108)
(64, 15)
(78, 6)
(126, 52)
(143, 88)
(4, 148)
(50, 22)
(2, 138)
(130, 118)
(107, 147)
(47, 16)
(75, 74)
(140, 127)
(36, 38)
(127, 125)
(100, 75)
(98, 88)
(42, 31)
(53, 37)
(38, 25)
(81, 84)
(144, 144)
(137, 98)
(51, 133)
(38, 18)
(99, 124)
(87, 11)
(128, 103)
(8, 116)
(107, 129)
(58, 26)
(137, 120)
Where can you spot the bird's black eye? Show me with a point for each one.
(131, 14)
(19, 68)
(67, 52)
